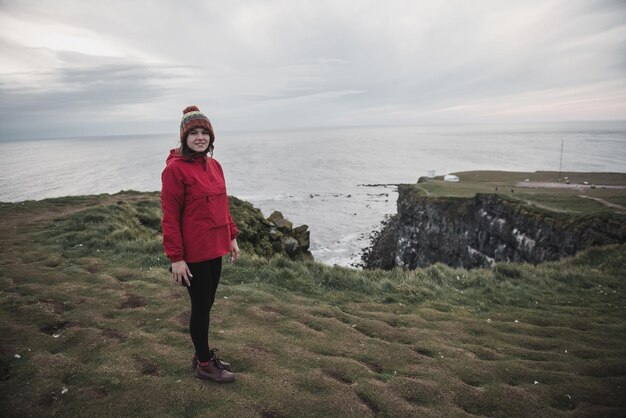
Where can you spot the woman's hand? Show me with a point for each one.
(234, 250)
(181, 273)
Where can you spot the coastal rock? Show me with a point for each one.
(300, 229)
(482, 231)
(274, 234)
(269, 237)
(303, 236)
(281, 223)
(291, 245)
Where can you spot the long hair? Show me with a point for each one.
(185, 151)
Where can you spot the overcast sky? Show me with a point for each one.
(73, 68)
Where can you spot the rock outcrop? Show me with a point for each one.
(271, 236)
(480, 231)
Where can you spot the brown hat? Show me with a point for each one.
(193, 118)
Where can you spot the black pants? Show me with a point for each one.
(206, 277)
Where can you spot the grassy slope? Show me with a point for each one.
(562, 200)
(86, 302)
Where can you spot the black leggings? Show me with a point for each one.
(206, 277)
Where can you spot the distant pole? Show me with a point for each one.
(561, 160)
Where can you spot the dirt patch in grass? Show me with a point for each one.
(369, 402)
(418, 391)
(172, 293)
(54, 328)
(5, 370)
(146, 366)
(53, 305)
(47, 399)
(184, 317)
(427, 352)
(376, 368)
(272, 309)
(132, 302)
(115, 334)
(312, 325)
(269, 413)
(91, 393)
(258, 348)
(337, 375)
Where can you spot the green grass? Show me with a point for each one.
(560, 200)
(86, 301)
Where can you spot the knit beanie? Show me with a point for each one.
(193, 118)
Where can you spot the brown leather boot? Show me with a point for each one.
(213, 371)
(212, 353)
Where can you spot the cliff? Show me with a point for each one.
(480, 231)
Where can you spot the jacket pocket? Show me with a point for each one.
(210, 209)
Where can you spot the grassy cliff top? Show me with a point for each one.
(91, 325)
(602, 193)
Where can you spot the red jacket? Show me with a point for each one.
(197, 225)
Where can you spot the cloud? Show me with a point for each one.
(118, 66)
(81, 90)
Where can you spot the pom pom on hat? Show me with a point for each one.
(192, 119)
(191, 109)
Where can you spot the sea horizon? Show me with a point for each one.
(617, 124)
(314, 176)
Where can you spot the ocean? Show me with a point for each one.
(339, 181)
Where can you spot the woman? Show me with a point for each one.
(197, 231)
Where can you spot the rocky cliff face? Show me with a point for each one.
(481, 231)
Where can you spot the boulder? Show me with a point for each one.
(291, 246)
(279, 221)
(303, 236)
(275, 234)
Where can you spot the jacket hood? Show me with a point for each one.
(174, 155)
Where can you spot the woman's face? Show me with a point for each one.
(198, 139)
